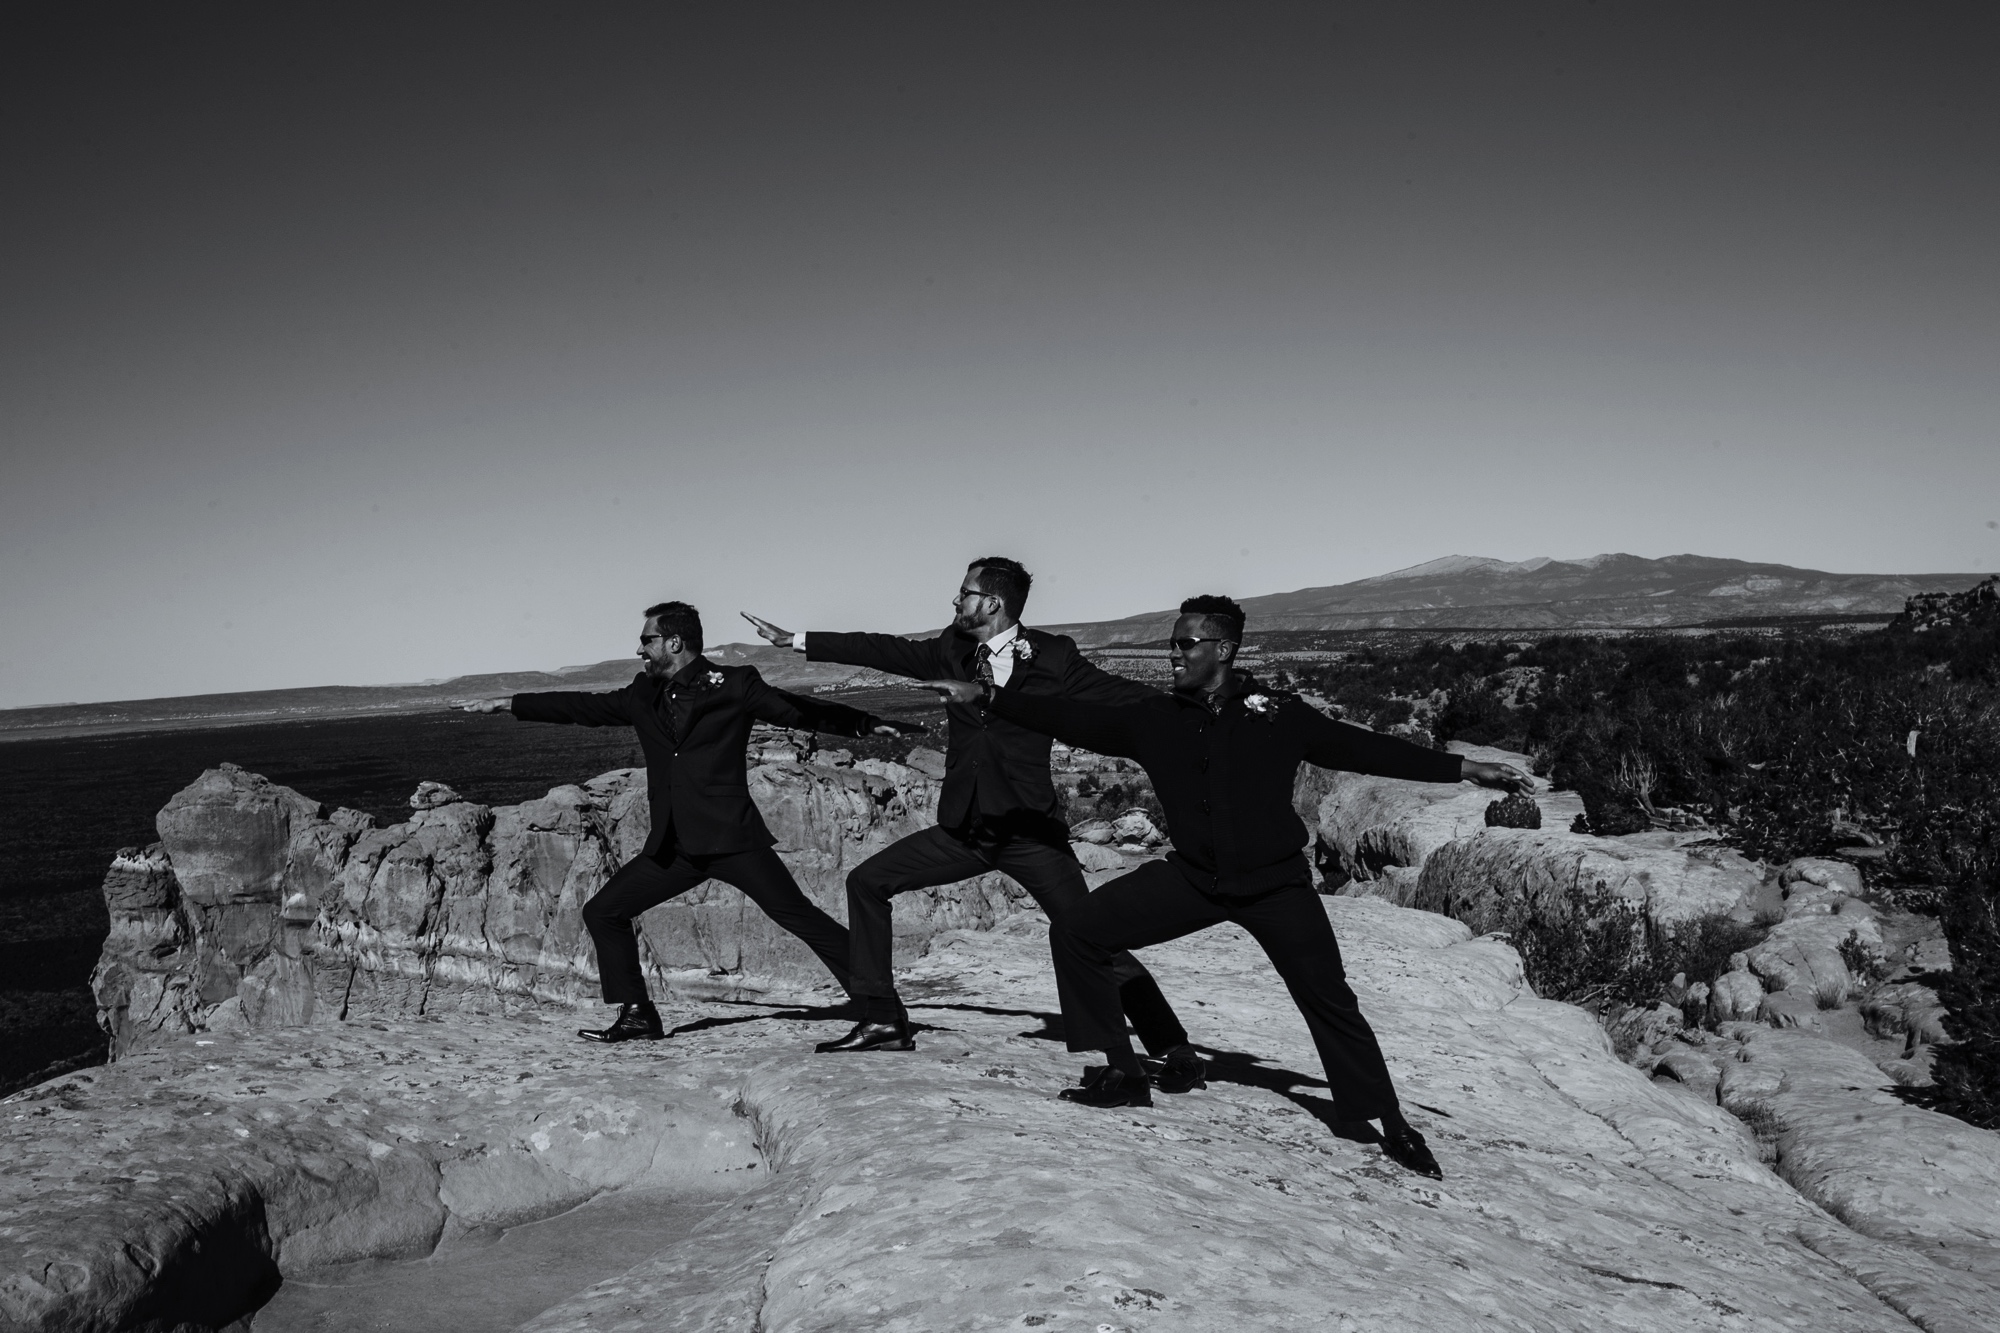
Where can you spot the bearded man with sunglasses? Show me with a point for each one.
(1223, 752)
(999, 809)
(693, 719)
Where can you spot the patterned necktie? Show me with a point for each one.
(982, 665)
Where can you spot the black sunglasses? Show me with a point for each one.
(1187, 645)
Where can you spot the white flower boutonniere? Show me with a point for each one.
(1260, 703)
(1023, 650)
(714, 679)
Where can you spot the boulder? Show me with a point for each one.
(1646, 1033)
(1097, 856)
(926, 761)
(1693, 1069)
(1802, 952)
(1791, 1009)
(1819, 872)
(259, 898)
(430, 795)
(1095, 831)
(1737, 994)
(1136, 826)
(1483, 879)
(1369, 823)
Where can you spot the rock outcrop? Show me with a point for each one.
(1432, 846)
(949, 1189)
(260, 906)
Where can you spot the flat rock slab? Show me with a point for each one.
(948, 1188)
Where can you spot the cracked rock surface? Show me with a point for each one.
(948, 1189)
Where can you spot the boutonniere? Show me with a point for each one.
(1023, 650)
(714, 679)
(1260, 703)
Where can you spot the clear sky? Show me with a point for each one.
(374, 343)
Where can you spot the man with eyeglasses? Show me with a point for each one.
(693, 719)
(1223, 751)
(999, 809)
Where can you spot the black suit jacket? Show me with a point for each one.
(1224, 773)
(698, 786)
(994, 768)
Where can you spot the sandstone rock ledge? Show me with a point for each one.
(948, 1189)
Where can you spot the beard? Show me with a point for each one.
(657, 670)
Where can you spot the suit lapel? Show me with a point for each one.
(1021, 669)
(703, 696)
(962, 654)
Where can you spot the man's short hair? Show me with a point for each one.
(1224, 616)
(1005, 579)
(672, 618)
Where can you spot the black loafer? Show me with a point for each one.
(635, 1022)
(1182, 1071)
(867, 1036)
(1104, 1086)
(1407, 1148)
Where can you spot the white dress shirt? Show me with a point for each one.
(1002, 645)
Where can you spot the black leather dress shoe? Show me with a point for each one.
(1406, 1146)
(635, 1022)
(1104, 1086)
(1182, 1071)
(868, 1036)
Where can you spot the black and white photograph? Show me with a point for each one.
(1094, 667)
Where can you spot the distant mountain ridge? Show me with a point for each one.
(248, 707)
(1611, 591)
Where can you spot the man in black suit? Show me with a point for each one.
(998, 811)
(693, 718)
(1223, 752)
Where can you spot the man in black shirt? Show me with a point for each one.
(693, 719)
(998, 810)
(1223, 752)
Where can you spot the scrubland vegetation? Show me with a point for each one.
(1786, 745)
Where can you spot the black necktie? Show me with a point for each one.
(982, 665)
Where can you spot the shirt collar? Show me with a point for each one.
(1241, 683)
(686, 675)
(1002, 639)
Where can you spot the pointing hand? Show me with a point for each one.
(485, 705)
(771, 633)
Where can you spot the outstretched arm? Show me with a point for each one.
(1086, 682)
(583, 710)
(785, 709)
(1100, 727)
(882, 652)
(1342, 745)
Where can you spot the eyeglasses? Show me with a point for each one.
(964, 593)
(1187, 645)
(645, 639)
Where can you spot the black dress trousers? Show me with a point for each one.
(1156, 903)
(648, 881)
(1051, 876)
